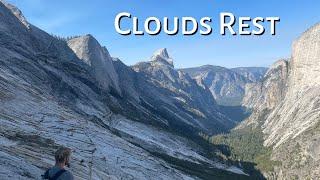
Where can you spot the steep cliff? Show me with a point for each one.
(292, 129)
(286, 108)
(98, 58)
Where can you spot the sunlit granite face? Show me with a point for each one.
(305, 70)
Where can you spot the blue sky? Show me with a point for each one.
(74, 17)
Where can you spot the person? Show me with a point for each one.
(58, 172)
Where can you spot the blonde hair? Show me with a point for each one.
(62, 154)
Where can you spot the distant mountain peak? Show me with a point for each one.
(162, 55)
(163, 52)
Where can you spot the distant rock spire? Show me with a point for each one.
(162, 52)
(162, 55)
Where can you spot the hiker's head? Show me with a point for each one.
(62, 156)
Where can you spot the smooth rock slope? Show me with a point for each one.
(90, 51)
(57, 93)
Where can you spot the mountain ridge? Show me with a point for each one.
(226, 85)
(151, 120)
(183, 87)
(50, 97)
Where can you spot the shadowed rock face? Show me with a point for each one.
(291, 93)
(51, 95)
(226, 85)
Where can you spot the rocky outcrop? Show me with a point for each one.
(226, 85)
(98, 58)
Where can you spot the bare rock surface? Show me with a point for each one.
(299, 109)
(271, 90)
(57, 93)
(290, 94)
(90, 51)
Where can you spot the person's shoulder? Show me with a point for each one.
(67, 175)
